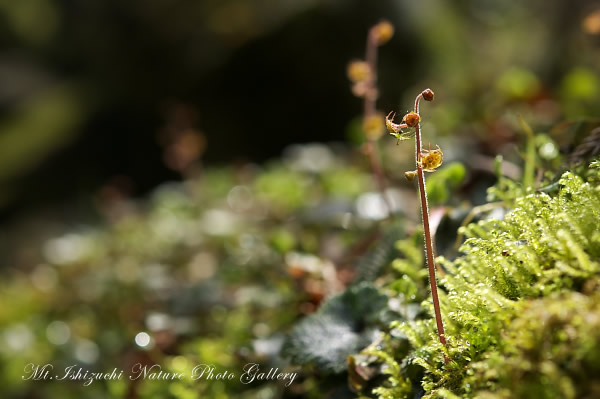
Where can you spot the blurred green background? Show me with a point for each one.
(99, 90)
(103, 103)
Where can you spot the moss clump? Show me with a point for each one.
(521, 322)
(551, 350)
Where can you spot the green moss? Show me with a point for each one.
(550, 350)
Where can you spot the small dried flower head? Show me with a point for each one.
(428, 95)
(359, 71)
(395, 129)
(373, 126)
(382, 32)
(389, 123)
(412, 119)
(410, 175)
(432, 159)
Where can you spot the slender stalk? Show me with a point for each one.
(369, 110)
(427, 231)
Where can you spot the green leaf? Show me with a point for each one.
(441, 184)
(344, 325)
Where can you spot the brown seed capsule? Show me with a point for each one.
(411, 119)
(428, 95)
(410, 175)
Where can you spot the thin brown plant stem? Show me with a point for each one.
(368, 112)
(371, 59)
(427, 232)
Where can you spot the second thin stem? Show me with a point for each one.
(369, 111)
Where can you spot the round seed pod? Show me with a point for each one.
(428, 95)
(411, 119)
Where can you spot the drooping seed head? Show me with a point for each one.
(428, 95)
